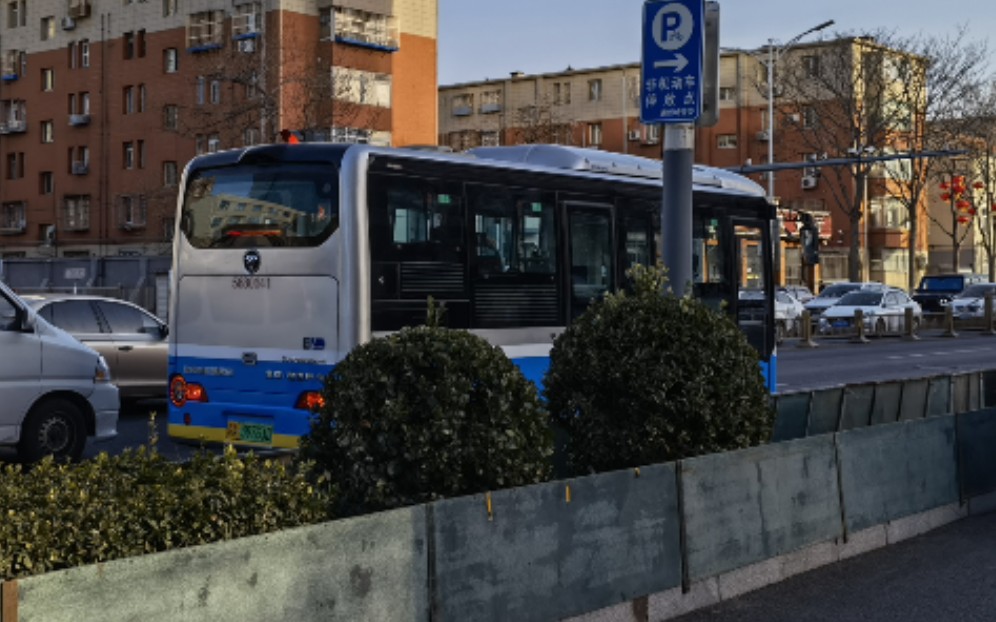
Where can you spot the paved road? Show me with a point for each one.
(947, 574)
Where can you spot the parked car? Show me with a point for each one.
(936, 290)
(884, 312)
(970, 304)
(55, 391)
(830, 294)
(132, 340)
(788, 313)
(799, 292)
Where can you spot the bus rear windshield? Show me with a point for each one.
(250, 205)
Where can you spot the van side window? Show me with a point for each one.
(8, 314)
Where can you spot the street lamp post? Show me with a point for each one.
(773, 54)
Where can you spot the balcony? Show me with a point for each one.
(490, 108)
(462, 111)
(79, 120)
(13, 127)
(81, 168)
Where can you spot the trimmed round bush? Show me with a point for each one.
(649, 377)
(423, 414)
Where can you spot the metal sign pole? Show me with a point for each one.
(676, 205)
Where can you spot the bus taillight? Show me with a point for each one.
(181, 392)
(310, 400)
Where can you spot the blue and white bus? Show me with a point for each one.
(286, 257)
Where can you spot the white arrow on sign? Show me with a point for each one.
(678, 62)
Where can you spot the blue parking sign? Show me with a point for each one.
(673, 47)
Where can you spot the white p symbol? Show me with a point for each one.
(672, 26)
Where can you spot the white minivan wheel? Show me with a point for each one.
(55, 427)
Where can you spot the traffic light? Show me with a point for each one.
(809, 240)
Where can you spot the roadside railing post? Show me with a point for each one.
(909, 327)
(859, 324)
(949, 330)
(806, 328)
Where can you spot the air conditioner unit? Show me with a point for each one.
(809, 182)
(247, 45)
(634, 134)
(762, 135)
(68, 23)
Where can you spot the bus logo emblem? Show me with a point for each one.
(251, 261)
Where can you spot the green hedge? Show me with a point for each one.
(55, 516)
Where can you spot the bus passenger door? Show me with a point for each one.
(754, 305)
(590, 256)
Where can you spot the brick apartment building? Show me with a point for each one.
(599, 108)
(102, 102)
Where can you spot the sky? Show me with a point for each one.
(481, 39)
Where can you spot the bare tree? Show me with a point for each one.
(541, 123)
(934, 89)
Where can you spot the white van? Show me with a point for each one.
(54, 391)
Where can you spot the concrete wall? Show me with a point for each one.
(635, 545)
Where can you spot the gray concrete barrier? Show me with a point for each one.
(745, 506)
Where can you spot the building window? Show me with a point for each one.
(15, 63)
(17, 13)
(128, 155)
(74, 54)
(490, 102)
(726, 141)
(247, 20)
(463, 105)
(594, 134)
(84, 102)
(204, 30)
(128, 100)
(651, 134)
(133, 210)
(489, 139)
(201, 88)
(12, 217)
(171, 63)
(141, 98)
(47, 28)
(561, 93)
(250, 136)
(76, 212)
(359, 27)
(200, 144)
(141, 153)
(213, 143)
(140, 44)
(169, 7)
(46, 182)
(595, 90)
(811, 66)
(15, 165)
(364, 87)
(171, 115)
(809, 118)
(169, 174)
(48, 79)
(47, 131)
(727, 93)
(215, 91)
(84, 53)
(129, 45)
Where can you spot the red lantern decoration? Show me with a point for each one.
(944, 185)
(992, 208)
(962, 204)
(972, 211)
(946, 196)
(978, 185)
(963, 219)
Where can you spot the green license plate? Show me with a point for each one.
(249, 433)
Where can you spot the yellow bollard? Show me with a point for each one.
(909, 330)
(859, 324)
(988, 328)
(949, 330)
(806, 331)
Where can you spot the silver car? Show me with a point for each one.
(132, 340)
